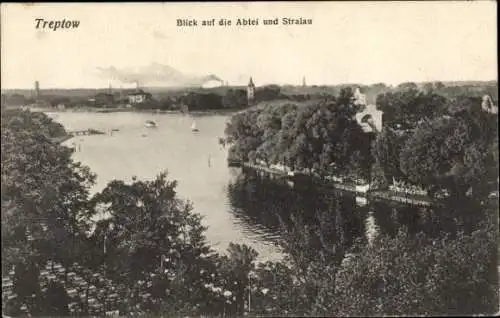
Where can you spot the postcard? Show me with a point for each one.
(249, 159)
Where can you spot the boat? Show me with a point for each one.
(150, 124)
(193, 127)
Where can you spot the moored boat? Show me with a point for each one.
(193, 127)
(150, 124)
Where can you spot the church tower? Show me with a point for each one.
(251, 91)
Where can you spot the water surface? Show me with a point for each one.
(195, 159)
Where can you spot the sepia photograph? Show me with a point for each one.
(259, 159)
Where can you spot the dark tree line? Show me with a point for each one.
(317, 136)
(437, 142)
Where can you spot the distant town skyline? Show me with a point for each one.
(347, 42)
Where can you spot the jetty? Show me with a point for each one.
(86, 132)
(71, 134)
(387, 195)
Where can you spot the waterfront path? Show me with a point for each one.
(365, 191)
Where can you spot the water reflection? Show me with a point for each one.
(274, 209)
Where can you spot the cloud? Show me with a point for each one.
(154, 73)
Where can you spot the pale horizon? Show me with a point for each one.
(348, 42)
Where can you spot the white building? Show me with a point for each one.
(139, 97)
(212, 83)
(488, 106)
(370, 119)
(359, 98)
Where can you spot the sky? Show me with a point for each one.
(347, 42)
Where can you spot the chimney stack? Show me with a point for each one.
(37, 89)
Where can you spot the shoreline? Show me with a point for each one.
(132, 110)
(365, 190)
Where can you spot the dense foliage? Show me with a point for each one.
(407, 107)
(409, 275)
(315, 136)
(44, 195)
(438, 143)
(422, 261)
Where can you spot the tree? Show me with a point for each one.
(309, 136)
(18, 121)
(153, 233)
(55, 300)
(15, 100)
(438, 85)
(242, 134)
(407, 85)
(455, 153)
(150, 104)
(235, 268)
(201, 101)
(317, 135)
(410, 106)
(44, 192)
(416, 275)
(235, 98)
(268, 93)
(386, 150)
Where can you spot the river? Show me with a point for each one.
(236, 206)
(194, 159)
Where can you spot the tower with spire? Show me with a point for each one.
(303, 81)
(250, 91)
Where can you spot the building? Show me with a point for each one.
(212, 83)
(359, 98)
(251, 91)
(139, 97)
(370, 119)
(488, 105)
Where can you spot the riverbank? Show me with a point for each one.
(363, 190)
(61, 139)
(207, 112)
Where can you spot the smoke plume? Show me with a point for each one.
(155, 73)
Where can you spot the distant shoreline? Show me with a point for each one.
(131, 110)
